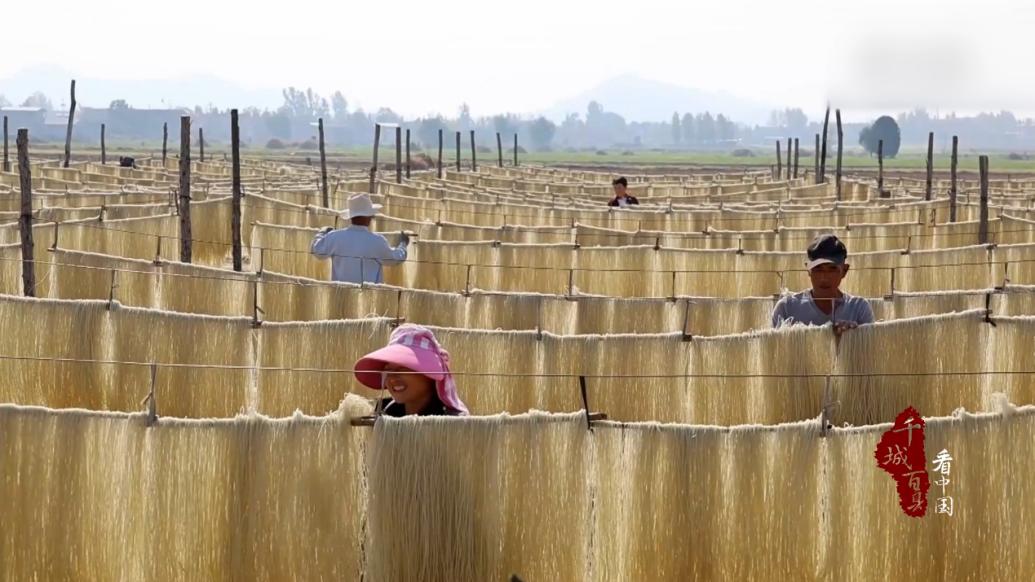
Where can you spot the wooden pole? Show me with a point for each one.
(377, 145)
(407, 154)
(68, 132)
(458, 151)
(25, 219)
(235, 217)
(823, 150)
(499, 148)
(779, 164)
(324, 194)
(185, 232)
(201, 144)
(880, 169)
(440, 131)
(795, 157)
(983, 224)
(515, 151)
(104, 151)
(165, 141)
(474, 154)
(7, 161)
(952, 178)
(840, 147)
(930, 165)
(398, 155)
(815, 159)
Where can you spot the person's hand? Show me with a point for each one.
(842, 326)
(404, 238)
(326, 229)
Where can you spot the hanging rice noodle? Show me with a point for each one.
(167, 285)
(121, 211)
(964, 346)
(730, 383)
(88, 330)
(11, 269)
(135, 238)
(319, 355)
(1016, 229)
(1016, 300)
(285, 298)
(696, 503)
(707, 503)
(767, 376)
(905, 305)
(868, 535)
(104, 494)
(470, 492)
(286, 250)
(1013, 265)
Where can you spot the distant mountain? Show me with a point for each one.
(632, 97)
(140, 93)
(639, 99)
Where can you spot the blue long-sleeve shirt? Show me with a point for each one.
(357, 255)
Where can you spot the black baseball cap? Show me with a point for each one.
(826, 248)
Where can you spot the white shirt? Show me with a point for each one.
(357, 254)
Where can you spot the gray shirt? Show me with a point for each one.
(356, 254)
(800, 308)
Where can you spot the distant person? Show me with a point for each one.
(127, 162)
(358, 255)
(622, 198)
(825, 302)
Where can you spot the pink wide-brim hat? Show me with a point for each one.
(413, 347)
(370, 366)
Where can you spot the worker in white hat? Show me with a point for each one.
(358, 255)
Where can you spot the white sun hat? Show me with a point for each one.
(360, 205)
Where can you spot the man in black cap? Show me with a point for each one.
(825, 302)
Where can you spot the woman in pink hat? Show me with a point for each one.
(414, 369)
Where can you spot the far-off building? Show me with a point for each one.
(43, 125)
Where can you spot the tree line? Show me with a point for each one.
(595, 128)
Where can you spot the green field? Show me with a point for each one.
(360, 156)
(908, 161)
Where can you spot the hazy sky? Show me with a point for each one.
(427, 56)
